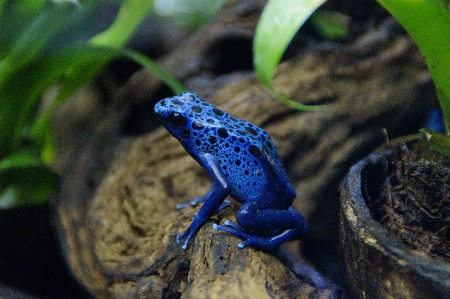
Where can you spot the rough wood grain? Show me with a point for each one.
(115, 211)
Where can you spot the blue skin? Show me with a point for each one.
(243, 162)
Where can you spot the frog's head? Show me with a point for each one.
(175, 114)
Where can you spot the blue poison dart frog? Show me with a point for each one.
(243, 162)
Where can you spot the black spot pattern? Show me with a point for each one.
(218, 112)
(222, 133)
(244, 151)
(251, 131)
(177, 102)
(197, 109)
(254, 151)
(176, 119)
(196, 125)
(212, 139)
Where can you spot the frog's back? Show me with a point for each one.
(244, 151)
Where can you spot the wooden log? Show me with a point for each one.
(115, 212)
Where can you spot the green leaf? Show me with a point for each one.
(35, 38)
(278, 24)
(84, 59)
(21, 159)
(428, 23)
(15, 16)
(438, 142)
(190, 13)
(19, 97)
(176, 86)
(22, 83)
(51, 46)
(127, 20)
(27, 70)
(331, 24)
(24, 180)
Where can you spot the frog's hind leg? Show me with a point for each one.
(289, 225)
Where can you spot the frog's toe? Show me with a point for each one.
(257, 242)
(186, 236)
(233, 225)
(216, 227)
(185, 245)
(180, 237)
(229, 227)
(232, 229)
(243, 244)
(182, 206)
(192, 203)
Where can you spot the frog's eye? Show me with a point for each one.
(176, 119)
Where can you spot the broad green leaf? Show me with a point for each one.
(279, 22)
(428, 23)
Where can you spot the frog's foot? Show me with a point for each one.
(197, 223)
(257, 241)
(189, 233)
(186, 236)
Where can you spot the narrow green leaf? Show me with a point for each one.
(175, 85)
(85, 59)
(293, 104)
(279, 22)
(15, 16)
(438, 142)
(130, 16)
(21, 159)
(27, 70)
(35, 37)
(19, 97)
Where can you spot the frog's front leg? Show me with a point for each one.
(213, 199)
(258, 218)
